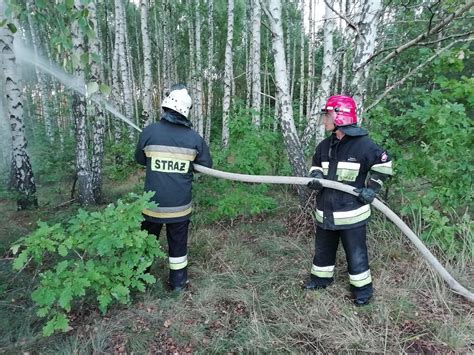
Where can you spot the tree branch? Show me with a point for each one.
(410, 74)
(349, 22)
(457, 35)
(435, 29)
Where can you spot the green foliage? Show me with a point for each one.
(250, 151)
(449, 234)
(100, 257)
(50, 163)
(120, 160)
(429, 133)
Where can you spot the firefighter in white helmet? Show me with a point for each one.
(168, 149)
(350, 157)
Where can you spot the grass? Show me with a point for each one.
(245, 295)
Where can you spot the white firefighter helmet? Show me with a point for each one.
(178, 100)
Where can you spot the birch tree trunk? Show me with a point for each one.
(158, 59)
(302, 59)
(5, 132)
(290, 136)
(324, 89)
(199, 91)
(147, 113)
(99, 117)
(83, 172)
(256, 78)
(227, 74)
(124, 68)
(364, 49)
(192, 61)
(21, 173)
(346, 39)
(211, 70)
(116, 93)
(293, 68)
(310, 78)
(42, 78)
(247, 39)
(167, 49)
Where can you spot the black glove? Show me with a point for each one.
(315, 184)
(366, 194)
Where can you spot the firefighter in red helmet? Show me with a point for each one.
(350, 157)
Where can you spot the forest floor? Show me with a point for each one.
(246, 295)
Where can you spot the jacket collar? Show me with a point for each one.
(175, 118)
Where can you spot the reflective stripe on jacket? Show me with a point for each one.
(353, 160)
(168, 149)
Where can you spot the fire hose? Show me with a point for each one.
(292, 180)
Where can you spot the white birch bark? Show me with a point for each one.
(83, 172)
(21, 173)
(211, 70)
(158, 87)
(116, 93)
(167, 48)
(347, 38)
(256, 77)
(248, 53)
(192, 62)
(42, 78)
(364, 48)
(324, 89)
(302, 60)
(290, 136)
(310, 78)
(124, 67)
(99, 117)
(198, 96)
(5, 132)
(147, 113)
(227, 74)
(293, 68)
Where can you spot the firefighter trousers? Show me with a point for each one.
(177, 235)
(355, 247)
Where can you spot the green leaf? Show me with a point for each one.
(104, 301)
(3, 22)
(84, 59)
(12, 28)
(65, 299)
(90, 34)
(120, 291)
(150, 279)
(105, 89)
(42, 312)
(59, 322)
(48, 329)
(15, 248)
(21, 260)
(62, 250)
(62, 266)
(92, 87)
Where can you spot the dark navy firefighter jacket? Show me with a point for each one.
(168, 149)
(355, 161)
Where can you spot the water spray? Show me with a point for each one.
(28, 56)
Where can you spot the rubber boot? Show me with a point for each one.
(362, 301)
(317, 283)
(362, 295)
(178, 279)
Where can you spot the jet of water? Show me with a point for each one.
(28, 56)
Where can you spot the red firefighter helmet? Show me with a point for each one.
(345, 109)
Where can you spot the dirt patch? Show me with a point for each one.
(421, 346)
